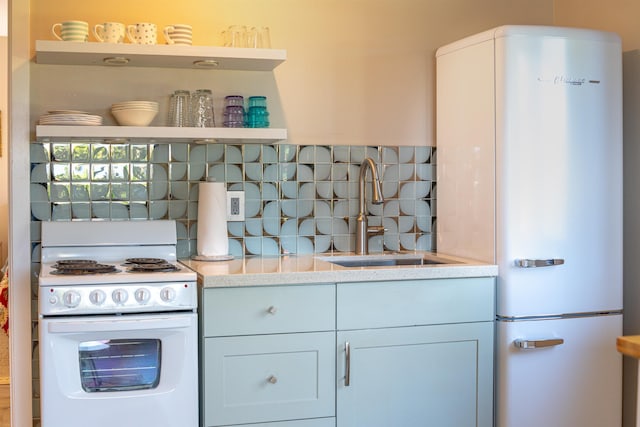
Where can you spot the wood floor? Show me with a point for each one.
(5, 419)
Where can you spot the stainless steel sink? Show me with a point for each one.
(382, 260)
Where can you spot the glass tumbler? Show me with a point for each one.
(234, 100)
(257, 115)
(234, 116)
(258, 101)
(258, 37)
(202, 109)
(179, 108)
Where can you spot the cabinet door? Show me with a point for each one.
(264, 378)
(436, 376)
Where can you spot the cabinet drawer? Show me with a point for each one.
(415, 302)
(268, 309)
(268, 378)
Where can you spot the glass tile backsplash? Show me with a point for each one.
(298, 199)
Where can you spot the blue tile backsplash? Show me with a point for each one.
(298, 199)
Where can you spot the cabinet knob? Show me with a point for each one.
(272, 310)
(272, 379)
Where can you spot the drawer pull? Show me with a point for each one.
(272, 379)
(272, 310)
(347, 365)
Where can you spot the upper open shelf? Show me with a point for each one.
(171, 56)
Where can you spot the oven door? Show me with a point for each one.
(130, 370)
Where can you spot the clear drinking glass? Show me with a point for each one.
(258, 37)
(235, 36)
(179, 108)
(202, 109)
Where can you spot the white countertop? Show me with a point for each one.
(306, 269)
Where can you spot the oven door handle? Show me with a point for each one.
(119, 324)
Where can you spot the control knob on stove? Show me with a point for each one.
(167, 294)
(97, 297)
(119, 296)
(142, 295)
(71, 299)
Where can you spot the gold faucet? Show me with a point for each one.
(362, 230)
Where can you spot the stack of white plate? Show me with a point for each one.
(70, 118)
(135, 113)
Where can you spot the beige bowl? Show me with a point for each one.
(136, 104)
(134, 117)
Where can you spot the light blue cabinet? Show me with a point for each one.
(415, 353)
(268, 356)
(420, 353)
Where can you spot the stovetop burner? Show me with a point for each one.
(65, 262)
(154, 267)
(80, 267)
(146, 261)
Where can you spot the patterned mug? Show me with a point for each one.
(71, 31)
(142, 33)
(109, 32)
(178, 34)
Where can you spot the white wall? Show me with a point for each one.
(358, 72)
(20, 263)
(4, 162)
(4, 21)
(4, 166)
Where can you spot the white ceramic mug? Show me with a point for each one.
(142, 33)
(178, 34)
(71, 31)
(109, 32)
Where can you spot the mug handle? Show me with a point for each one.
(53, 30)
(129, 36)
(96, 33)
(167, 37)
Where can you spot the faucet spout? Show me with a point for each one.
(362, 230)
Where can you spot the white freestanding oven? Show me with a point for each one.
(117, 326)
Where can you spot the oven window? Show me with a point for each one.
(119, 365)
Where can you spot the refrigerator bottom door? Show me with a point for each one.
(559, 372)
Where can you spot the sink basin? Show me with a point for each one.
(382, 260)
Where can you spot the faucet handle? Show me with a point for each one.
(375, 230)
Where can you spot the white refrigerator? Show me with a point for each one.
(529, 165)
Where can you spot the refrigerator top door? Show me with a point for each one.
(558, 175)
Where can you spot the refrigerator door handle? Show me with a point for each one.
(529, 344)
(530, 263)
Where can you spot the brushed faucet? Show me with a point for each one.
(362, 230)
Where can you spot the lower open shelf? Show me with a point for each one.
(161, 134)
